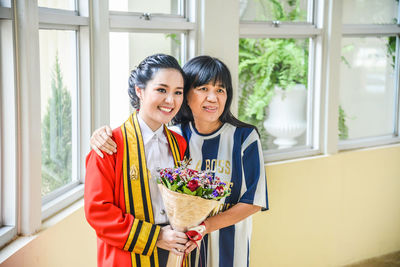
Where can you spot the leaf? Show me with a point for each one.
(174, 186)
(199, 191)
(188, 191)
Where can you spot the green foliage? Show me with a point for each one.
(391, 50)
(264, 64)
(174, 37)
(56, 135)
(282, 10)
(343, 129)
(346, 49)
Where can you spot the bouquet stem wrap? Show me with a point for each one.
(184, 212)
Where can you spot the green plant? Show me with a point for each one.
(343, 129)
(282, 10)
(56, 135)
(264, 64)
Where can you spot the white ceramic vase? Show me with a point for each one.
(287, 115)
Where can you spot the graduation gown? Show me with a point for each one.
(118, 203)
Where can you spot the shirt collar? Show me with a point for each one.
(148, 133)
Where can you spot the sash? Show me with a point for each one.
(143, 236)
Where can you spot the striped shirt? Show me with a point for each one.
(235, 155)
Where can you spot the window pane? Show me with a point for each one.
(149, 6)
(367, 87)
(58, 83)
(273, 76)
(60, 4)
(127, 50)
(370, 11)
(268, 10)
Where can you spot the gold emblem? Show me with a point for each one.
(133, 173)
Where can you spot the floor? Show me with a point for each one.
(389, 260)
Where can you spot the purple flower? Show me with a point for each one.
(169, 176)
(215, 193)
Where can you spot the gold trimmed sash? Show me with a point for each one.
(144, 233)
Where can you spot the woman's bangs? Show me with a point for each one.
(211, 73)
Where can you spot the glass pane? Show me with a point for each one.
(367, 87)
(273, 76)
(149, 6)
(268, 10)
(127, 50)
(60, 4)
(370, 11)
(58, 81)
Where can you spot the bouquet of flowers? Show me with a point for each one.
(189, 196)
(194, 183)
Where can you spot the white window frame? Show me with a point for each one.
(313, 30)
(160, 23)
(375, 30)
(8, 128)
(57, 19)
(105, 21)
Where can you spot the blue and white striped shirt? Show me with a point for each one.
(235, 155)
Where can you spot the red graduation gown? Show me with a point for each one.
(123, 239)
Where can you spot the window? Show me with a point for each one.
(64, 81)
(367, 88)
(277, 76)
(255, 10)
(127, 50)
(59, 4)
(174, 7)
(58, 79)
(134, 36)
(369, 79)
(370, 12)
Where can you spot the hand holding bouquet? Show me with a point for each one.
(189, 196)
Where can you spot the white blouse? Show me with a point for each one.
(158, 155)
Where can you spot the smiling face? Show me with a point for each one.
(162, 97)
(207, 103)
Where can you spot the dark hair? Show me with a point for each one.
(145, 72)
(202, 70)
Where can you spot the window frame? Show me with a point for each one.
(313, 30)
(376, 30)
(136, 22)
(78, 21)
(182, 11)
(131, 22)
(8, 131)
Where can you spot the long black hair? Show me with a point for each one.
(202, 70)
(145, 72)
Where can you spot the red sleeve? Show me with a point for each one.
(111, 224)
(181, 143)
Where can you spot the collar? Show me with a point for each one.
(148, 133)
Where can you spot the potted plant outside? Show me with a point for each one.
(274, 71)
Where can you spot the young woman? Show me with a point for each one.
(122, 202)
(231, 149)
